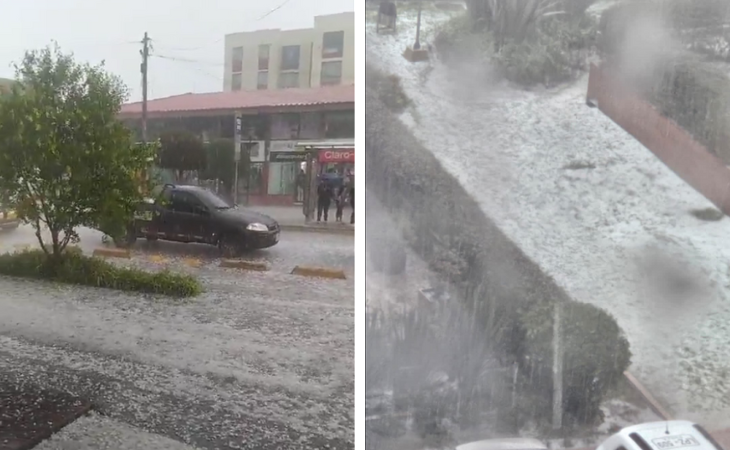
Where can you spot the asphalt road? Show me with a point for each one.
(261, 360)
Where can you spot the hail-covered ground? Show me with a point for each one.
(593, 207)
(260, 360)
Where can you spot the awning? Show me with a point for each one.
(339, 144)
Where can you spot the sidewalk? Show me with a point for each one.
(291, 218)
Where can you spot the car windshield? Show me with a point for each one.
(214, 200)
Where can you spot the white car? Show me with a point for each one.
(668, 435)
(503, 444)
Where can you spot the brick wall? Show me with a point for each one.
(674, 146)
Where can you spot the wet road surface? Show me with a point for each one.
(261, 360)
(294, 248)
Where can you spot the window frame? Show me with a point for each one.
(322, 72)
(337, 53)
(282, 75)
(234, 60)
(239, 77)
(267, 59)
(259, 85)
(285, 68)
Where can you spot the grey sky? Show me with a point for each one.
(96, 30)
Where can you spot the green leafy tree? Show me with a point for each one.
(221, 164)
(182, 151)
(65, 160)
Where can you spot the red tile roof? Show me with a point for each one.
(241, 100)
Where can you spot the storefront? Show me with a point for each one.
(287, 165)
(335, 157)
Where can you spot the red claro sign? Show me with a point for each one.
(337, 156)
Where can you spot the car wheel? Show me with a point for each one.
(229, 246)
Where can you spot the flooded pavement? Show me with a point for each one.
(260, 360)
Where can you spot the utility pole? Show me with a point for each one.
(145, 52)
(557, 369)
(417, 45)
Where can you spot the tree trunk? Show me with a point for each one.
(57, 248)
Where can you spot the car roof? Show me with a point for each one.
(654, 433)
(504, 444)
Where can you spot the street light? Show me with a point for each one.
(415, 53)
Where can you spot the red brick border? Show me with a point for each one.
(674, 146)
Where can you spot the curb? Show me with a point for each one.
(319, 272)
(646, 395)
(243, 265)
(319, 229)
(112, 253)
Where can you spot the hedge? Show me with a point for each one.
(75, 268)
(496, 280)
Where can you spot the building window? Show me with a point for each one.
(331, 73)
(237, 59)
(332, 44)
(339, 125)
(285, 126)
(262, 80)
(283, 178)
(288, 80)
(264, 56)
(236, 82)
(289, 57)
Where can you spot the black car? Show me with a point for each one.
(194, 214)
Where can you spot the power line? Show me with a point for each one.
(190, 65)
(192, 49)
(187, 60)
(273, 10)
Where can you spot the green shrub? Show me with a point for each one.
(75, 268)
(553, 56)
(554, 50)
(390, 91)
(596, 354)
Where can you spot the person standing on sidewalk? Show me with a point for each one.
(352, 202)
(324, 199)
(340, 199)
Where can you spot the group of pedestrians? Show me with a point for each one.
(341, 195)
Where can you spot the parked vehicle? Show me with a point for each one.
(669, 435)
(195, 214)
(504, 444)
(8, 219)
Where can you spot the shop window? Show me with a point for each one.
(264, 50)
(283, 178)
(331, 73)
(236, 82)
(285, 126)
(309, 126)
(339, 125)
(289, 57)
(253, 183)
(237, 59)
(262, 80)
(288, 80)
(332, 44)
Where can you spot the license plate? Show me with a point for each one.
(679, 441)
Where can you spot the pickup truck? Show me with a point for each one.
(192, 214)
